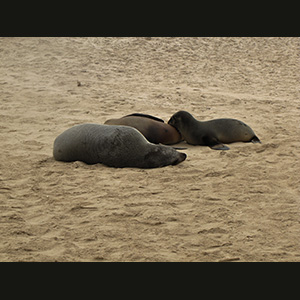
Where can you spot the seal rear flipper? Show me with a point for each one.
(219, 147)
(255, 140)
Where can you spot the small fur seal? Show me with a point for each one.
(212, 133)
(154, 129)
(114, 146)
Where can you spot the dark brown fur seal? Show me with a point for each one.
(154, 129)
(212, 133)
(114, 146)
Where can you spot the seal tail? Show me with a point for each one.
(255, 140)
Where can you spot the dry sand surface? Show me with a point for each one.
(236, 205)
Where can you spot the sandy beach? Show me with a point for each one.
(237, 205)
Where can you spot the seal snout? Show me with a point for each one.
(181, 158)
(171, 121)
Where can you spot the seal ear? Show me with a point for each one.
(150, 155)
(150, 158)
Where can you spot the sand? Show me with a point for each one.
(236, 205)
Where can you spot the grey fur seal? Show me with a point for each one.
(212, 133)
(114, 146)
(154, 129)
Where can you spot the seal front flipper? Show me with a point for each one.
(214, 143)
(219, 147)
